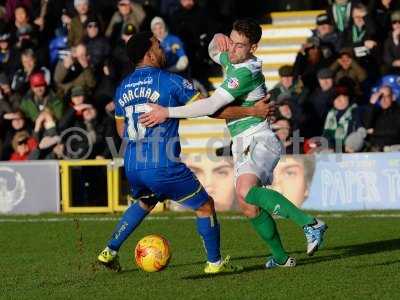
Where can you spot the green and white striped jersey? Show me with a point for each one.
(246, 83)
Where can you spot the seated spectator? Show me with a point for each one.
(98, 48)
(380, 11)
(128, 12)
(83, 115)
(75, 24)
(382, 119)
(74, 70)
(340, 13)
(23, 144)
(346, 67)
(361, 37)
(120, 62)
(22, 21)
(288, 109)
(40, 97)
(20, 81)
(16, 122)
(288, 85)
(391, 50)
(325, 37)
(8, 101)
(283, 131)
(9, 60)
(307, 64)
(177, 60)
(317, 106)
(342, 119)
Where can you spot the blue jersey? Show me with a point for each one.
(156, 147)
(173, 49)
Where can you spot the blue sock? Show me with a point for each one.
(131, 219)
(208, 228)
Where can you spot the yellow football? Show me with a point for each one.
(152, 253)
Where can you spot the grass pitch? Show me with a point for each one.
(52, 257)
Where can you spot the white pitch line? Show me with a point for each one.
(182, 218)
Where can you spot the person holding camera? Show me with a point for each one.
(74, 70)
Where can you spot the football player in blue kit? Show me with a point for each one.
(151, 161)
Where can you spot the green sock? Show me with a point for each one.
(265, 226)
(277, 204)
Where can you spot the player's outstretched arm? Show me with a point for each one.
(205, 107)
(262, 109)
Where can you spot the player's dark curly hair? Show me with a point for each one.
(249, 28)
(138, 45)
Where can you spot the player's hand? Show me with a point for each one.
(222, 42)
(157, 115)
(263, 108)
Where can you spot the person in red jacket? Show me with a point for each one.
(23, 144)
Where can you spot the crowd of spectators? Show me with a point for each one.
(60, 62)
(342, 92)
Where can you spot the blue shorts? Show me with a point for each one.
(176, 183)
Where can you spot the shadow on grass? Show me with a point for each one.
(355, 250)
(344, 252)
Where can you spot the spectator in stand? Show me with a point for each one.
(98, 47)
(75, 24)
(317, 106)
(120, 62)
(20, 81)
(340, 13)
(74, 70)
(347, 68)
(9, 60)
(288, 109)
(8, 101)
(325, 37)
(283, 130)
(391, 51)
(361, 37)
(58, 46)
(128, 12)
(342, 119)
(23, 144)
(21, 20)
(177, 60)
(380, 11)
(84, 115)
(382, 119)
(195, 28)
(14, 122)
(289, 86)
(307, 64)
(39, 98)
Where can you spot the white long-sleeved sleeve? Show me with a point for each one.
(203, 107)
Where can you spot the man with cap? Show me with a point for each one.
(289, 86)
(152, 163)
(348, 69)
(318, 104)
(129, 12)
(391, 49)
(177, 60)
(39, 98)
(343, 118)
(325, 37)
(98, 47)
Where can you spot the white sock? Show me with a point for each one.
(216, 263)
(113, 252)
